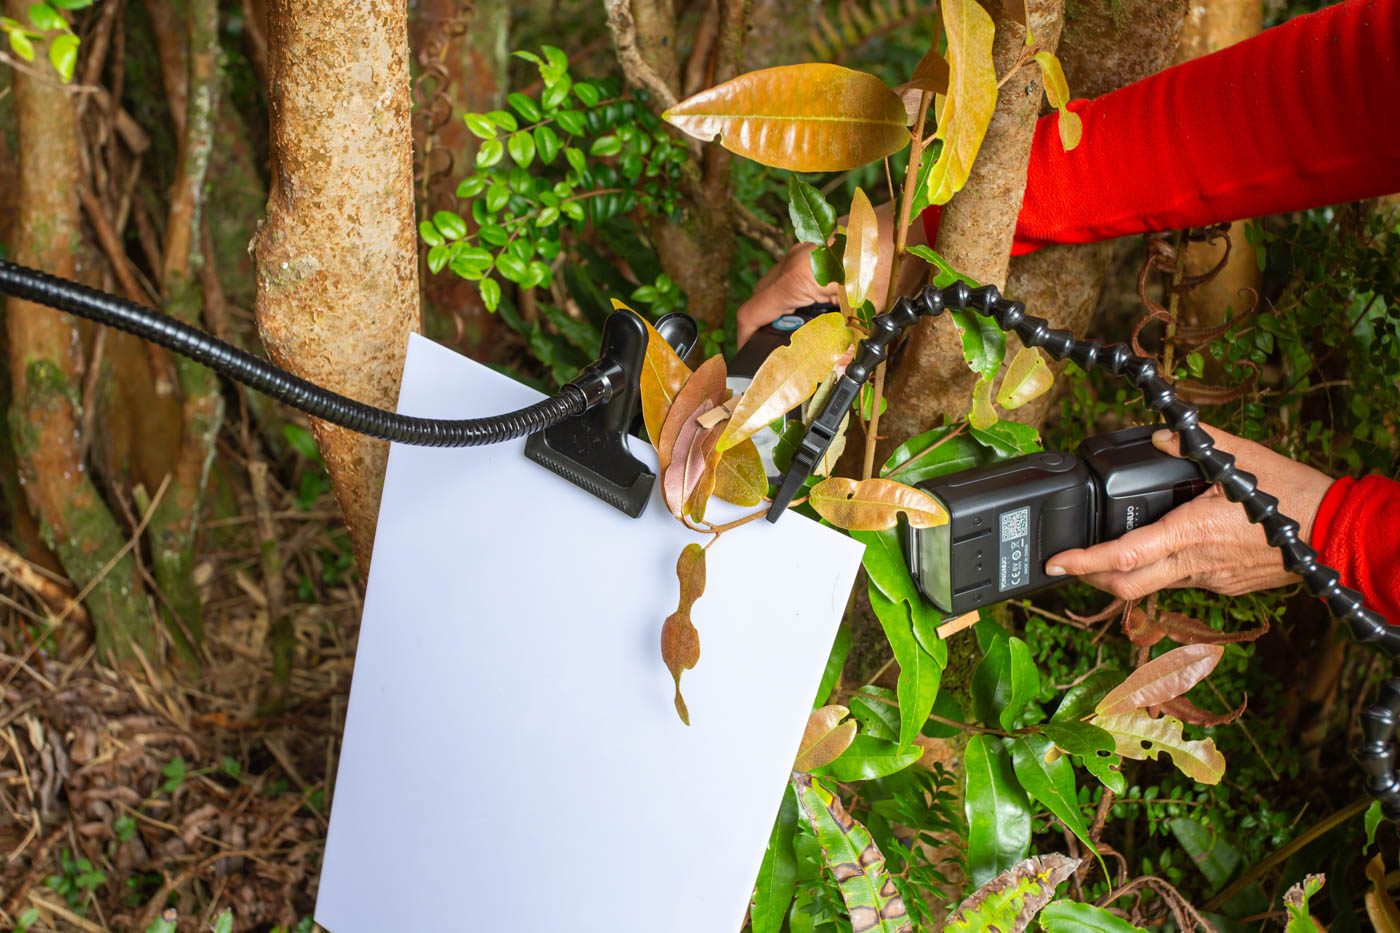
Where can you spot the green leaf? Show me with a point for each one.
(933, 454)
(430, 234)
(877, 711)
(605, 146)
(868, 758)
(46, 18)
(21, 45)
(1050, 782)
(450, 225)
(497, 197)
(1072, 917)
(588, 94)
(527, 107)
(1093, 746)
(998, 813)
(547, 143)
(164, 923)
(813, 219)
(1296, 902)
(1374, 818)
(223, 923)
(1012, 899)
(1208, 848)
(480, 125)
(522, 149)
(576, 159)
(1079, 701)
(71, 4)
(983, 342)
(1008, 439)
(889, 573)
(777, 876)
(490, 153)
(437, 258)
(472, 185)
(826, 266)
(490, 294)
(63, 55)
(571, 122)
(504, 120)
(512, 268)
(1004, 682)
(853, 859)
(834, 663)
(919, 672)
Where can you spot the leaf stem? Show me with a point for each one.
(929, 449)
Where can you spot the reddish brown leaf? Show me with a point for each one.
(931, 75)
(680, 642)
(686, 461)
(702, 471)
(827, 735)
(1145, 631)
(874, 504)
(705, 384)
(1161, 679)
(1189, 712)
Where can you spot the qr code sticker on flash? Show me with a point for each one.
(1015, 524)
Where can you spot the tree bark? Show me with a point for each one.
(977, 231)
(337, 254)
(461, 55)
(46, 368)
(1210, 28)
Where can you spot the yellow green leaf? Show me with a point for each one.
(971, 98)
(1071, 129)
(862, 250)
(663, 374)
(1056, 87)
(807, 118)
(740, 477)
(1137, 735)
(873, 504)
(680, 642)
(788, 376)
(983, 415)
(828, 734)
(1028, 377)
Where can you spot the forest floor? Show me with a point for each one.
(124, 792)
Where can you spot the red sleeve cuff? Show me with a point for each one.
(1354, 532)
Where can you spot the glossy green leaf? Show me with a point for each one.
(887, 572)
(777, 876)
(450, 225)
(490, 294)
(605, 146)
(522, 148)
(1009, 902)
(1094, 747)
(63, 55)
(430, 234)
(1073, 917)
(931, 454)
(983, 342)
(919, 672)
(480, 125)
(21, 45)
(1008, 439)
(504, 120)
(437, 258)
(547, 144)
(525, 106)
(1079, 701)
(490, 153)
(835, 661)
(877, 710)
(1050, 782)
(46, 18)
(826, 266)
(998, 813)
(868, 758)
(1004, 682)
(855, 862)
(1211, 852)
(813, 219)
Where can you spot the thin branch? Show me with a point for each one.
(755, 228)
(636, 68)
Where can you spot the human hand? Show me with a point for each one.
(1207, 542)
(787, 286)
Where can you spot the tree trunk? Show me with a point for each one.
(1210, 28)
(175, 521)
(337, 254)
(977, 230)
(461, 57)
(46, 367)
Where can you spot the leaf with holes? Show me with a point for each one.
(828, 734)
(1161, 679)
(855, 862)
(862, 250)
(789, 376)
(807, 118)
(971, 98)
(1011, 900)
(680, 642)
(874, 504)
(1027, 378)
(1295, 901)
(1138, 736)
(1093, 746)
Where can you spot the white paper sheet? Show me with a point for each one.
(512, 760)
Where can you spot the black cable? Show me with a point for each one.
(1376, 754)
(227, 360)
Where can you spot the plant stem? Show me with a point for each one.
(929, 449)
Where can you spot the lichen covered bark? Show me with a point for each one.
(337, 254)
(46, 362)
(977, 230)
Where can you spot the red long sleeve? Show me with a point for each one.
(1302, 115)
(1355, 534)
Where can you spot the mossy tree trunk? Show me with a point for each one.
(46, 368)
(337, 254)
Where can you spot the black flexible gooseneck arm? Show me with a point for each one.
(1376, 753)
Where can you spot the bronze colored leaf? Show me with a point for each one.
(1161, 679)
(1028, 377)
(701, 485)
(1138, 736)
(687, 464)
(789, 376)
(828, 734)
(1380, 907)
(807, 118)
(1145, 631)
(663, 375)
(1183, 709)
(740, 477)
(873, 504)
(680, 642)
(862, 250)
(705, 384)
(931, 75)
(971, 98)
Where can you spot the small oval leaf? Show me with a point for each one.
(1027, 378)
